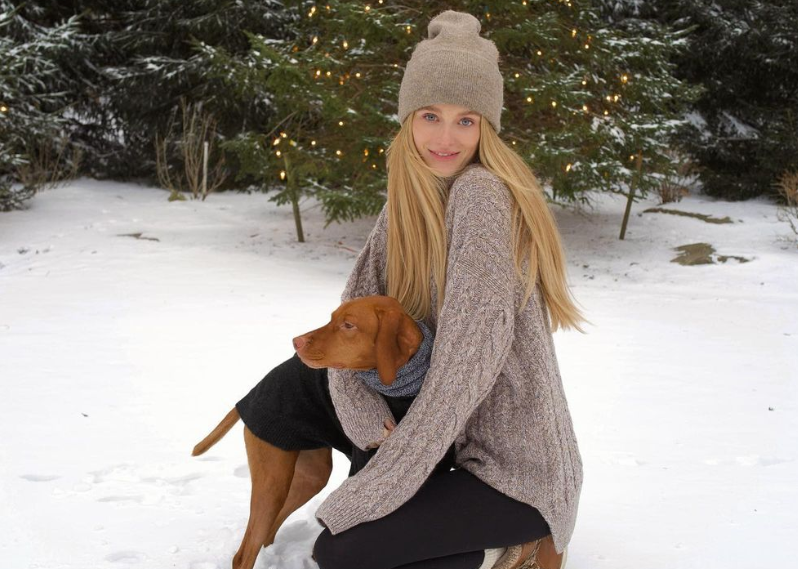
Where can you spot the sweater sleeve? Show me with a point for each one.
(361, 410)
(473, 339)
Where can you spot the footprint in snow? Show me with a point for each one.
(39, 477)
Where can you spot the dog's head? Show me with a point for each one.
(363, 334)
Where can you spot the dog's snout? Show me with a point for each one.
(298, 342)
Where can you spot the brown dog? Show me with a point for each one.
(363, 334)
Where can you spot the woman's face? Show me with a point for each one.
(446, 129)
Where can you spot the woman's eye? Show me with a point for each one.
(470, 121)
(425, 115)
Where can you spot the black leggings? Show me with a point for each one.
(447, 524)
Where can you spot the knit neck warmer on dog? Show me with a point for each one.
(408, 377)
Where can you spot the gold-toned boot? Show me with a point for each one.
(538, 554)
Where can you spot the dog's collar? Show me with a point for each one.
(410, 376)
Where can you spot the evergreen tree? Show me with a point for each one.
(744, 128)
(36, 89)
(580, 99)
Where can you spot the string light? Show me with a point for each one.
(3, 108)
(318, 72)
(584, 108)
(616, 97)
(313, 143)
(606, 113)
(409, 29)
(568, 168)
(554, 103)
(338, 152)
(517, 75)
(312, 11)
(513, 142)
(368, 7)
(340, 123)
(624, 78)
(529, 99)
(346, 45)
(540, 52)
(381, 150)
(276, 142)
(315, 39)
(587, 46)
(573, 33)
(282, 174)
(365, 152)
(278, 153)
(357, 74)
(584, 82)
(284, 135)
(328, 74)
(292, 142)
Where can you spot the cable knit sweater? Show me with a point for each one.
(493, 386)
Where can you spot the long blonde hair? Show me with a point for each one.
(417, 205)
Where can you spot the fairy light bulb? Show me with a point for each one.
(346, 44)
(278, 153)
(313, 143)
(573, 33)
(624, 78)
(554, 103)
(276, 142)
(409, 29)
(284, 135)
(318, 72)
(517, 75)
(340, 123)
(368, 7)
(357, 74)
(338, 152)
(584, 108)
(282, 174)
(529, 99)
(328, 74)
(365, 152)
(539, 52)
(315, 40)
(568, 168)
(606, 113)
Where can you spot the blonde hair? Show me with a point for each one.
(417, 205)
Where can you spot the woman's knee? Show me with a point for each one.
(331, 552)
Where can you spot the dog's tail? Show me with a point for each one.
(216, 434)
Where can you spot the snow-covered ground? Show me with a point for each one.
(118, 354)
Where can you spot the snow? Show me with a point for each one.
(120, 353)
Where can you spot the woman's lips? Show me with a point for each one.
(439, 157)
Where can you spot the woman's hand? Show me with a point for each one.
(387, 429)
(389, 426)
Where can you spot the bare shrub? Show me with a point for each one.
(787, 187)
(197, 128)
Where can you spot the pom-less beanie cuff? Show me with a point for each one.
(454, 66)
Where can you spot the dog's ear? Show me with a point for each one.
(398, 338)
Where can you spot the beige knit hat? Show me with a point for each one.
(454, 66)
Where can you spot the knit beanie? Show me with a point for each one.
(454, 66)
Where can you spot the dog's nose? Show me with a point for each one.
(298, 342)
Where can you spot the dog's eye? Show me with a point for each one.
(348, 325)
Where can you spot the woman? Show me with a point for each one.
(483, 469)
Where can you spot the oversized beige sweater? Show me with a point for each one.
(493, 386)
